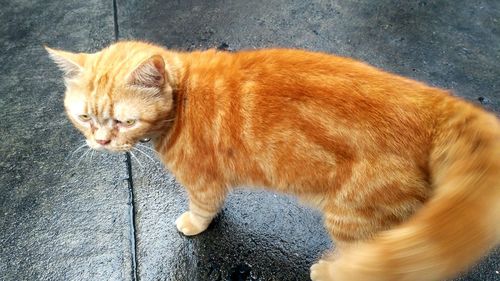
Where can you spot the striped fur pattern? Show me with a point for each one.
(406, 175)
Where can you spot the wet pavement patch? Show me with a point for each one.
(241, 273)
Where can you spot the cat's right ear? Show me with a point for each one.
(149, 74)
(70, 63)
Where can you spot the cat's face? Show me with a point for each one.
(115, 98)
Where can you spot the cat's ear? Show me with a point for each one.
(71, 63)
(149, 74)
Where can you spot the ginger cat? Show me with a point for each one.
(406, 175)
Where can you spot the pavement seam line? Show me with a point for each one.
(133, 238)
(130, 181)
(115, 20)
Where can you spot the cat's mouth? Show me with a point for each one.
(114, 147)
(109, 147)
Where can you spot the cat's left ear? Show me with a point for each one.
(71, 63)
(149, 74)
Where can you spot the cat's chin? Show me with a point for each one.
(109, 148)
(113, 151)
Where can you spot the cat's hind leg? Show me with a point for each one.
(204, 204)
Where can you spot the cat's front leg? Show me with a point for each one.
(323, 270)
(204, 204)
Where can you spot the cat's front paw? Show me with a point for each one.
(320, 271)
(190, 224)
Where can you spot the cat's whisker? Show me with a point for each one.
(76, 150)
(144, 153)
(136, 159)
(89, 154)
(82, 156)
(148, 148)
(92, 154)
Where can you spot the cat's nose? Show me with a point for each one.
(103, 142)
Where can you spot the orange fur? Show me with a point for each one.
(407, 176)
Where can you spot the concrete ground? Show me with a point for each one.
(70, 216)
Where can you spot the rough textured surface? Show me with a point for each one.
(263, 236)
(63, 221)
(58, 220)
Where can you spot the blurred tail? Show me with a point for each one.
(458, 225)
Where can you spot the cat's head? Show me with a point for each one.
(118, 96)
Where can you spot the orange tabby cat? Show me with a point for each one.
(407, 176)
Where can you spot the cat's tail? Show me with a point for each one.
(461, 221)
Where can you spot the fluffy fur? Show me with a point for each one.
(406, 175)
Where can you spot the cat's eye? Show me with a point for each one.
(127, 123)
(130, 122)
(84, 117)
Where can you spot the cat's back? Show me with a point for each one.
(328, 76)
(325, 82)
(296, 67)
(285, 83)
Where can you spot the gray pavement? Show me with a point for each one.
(66, 219)
(58, 220)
